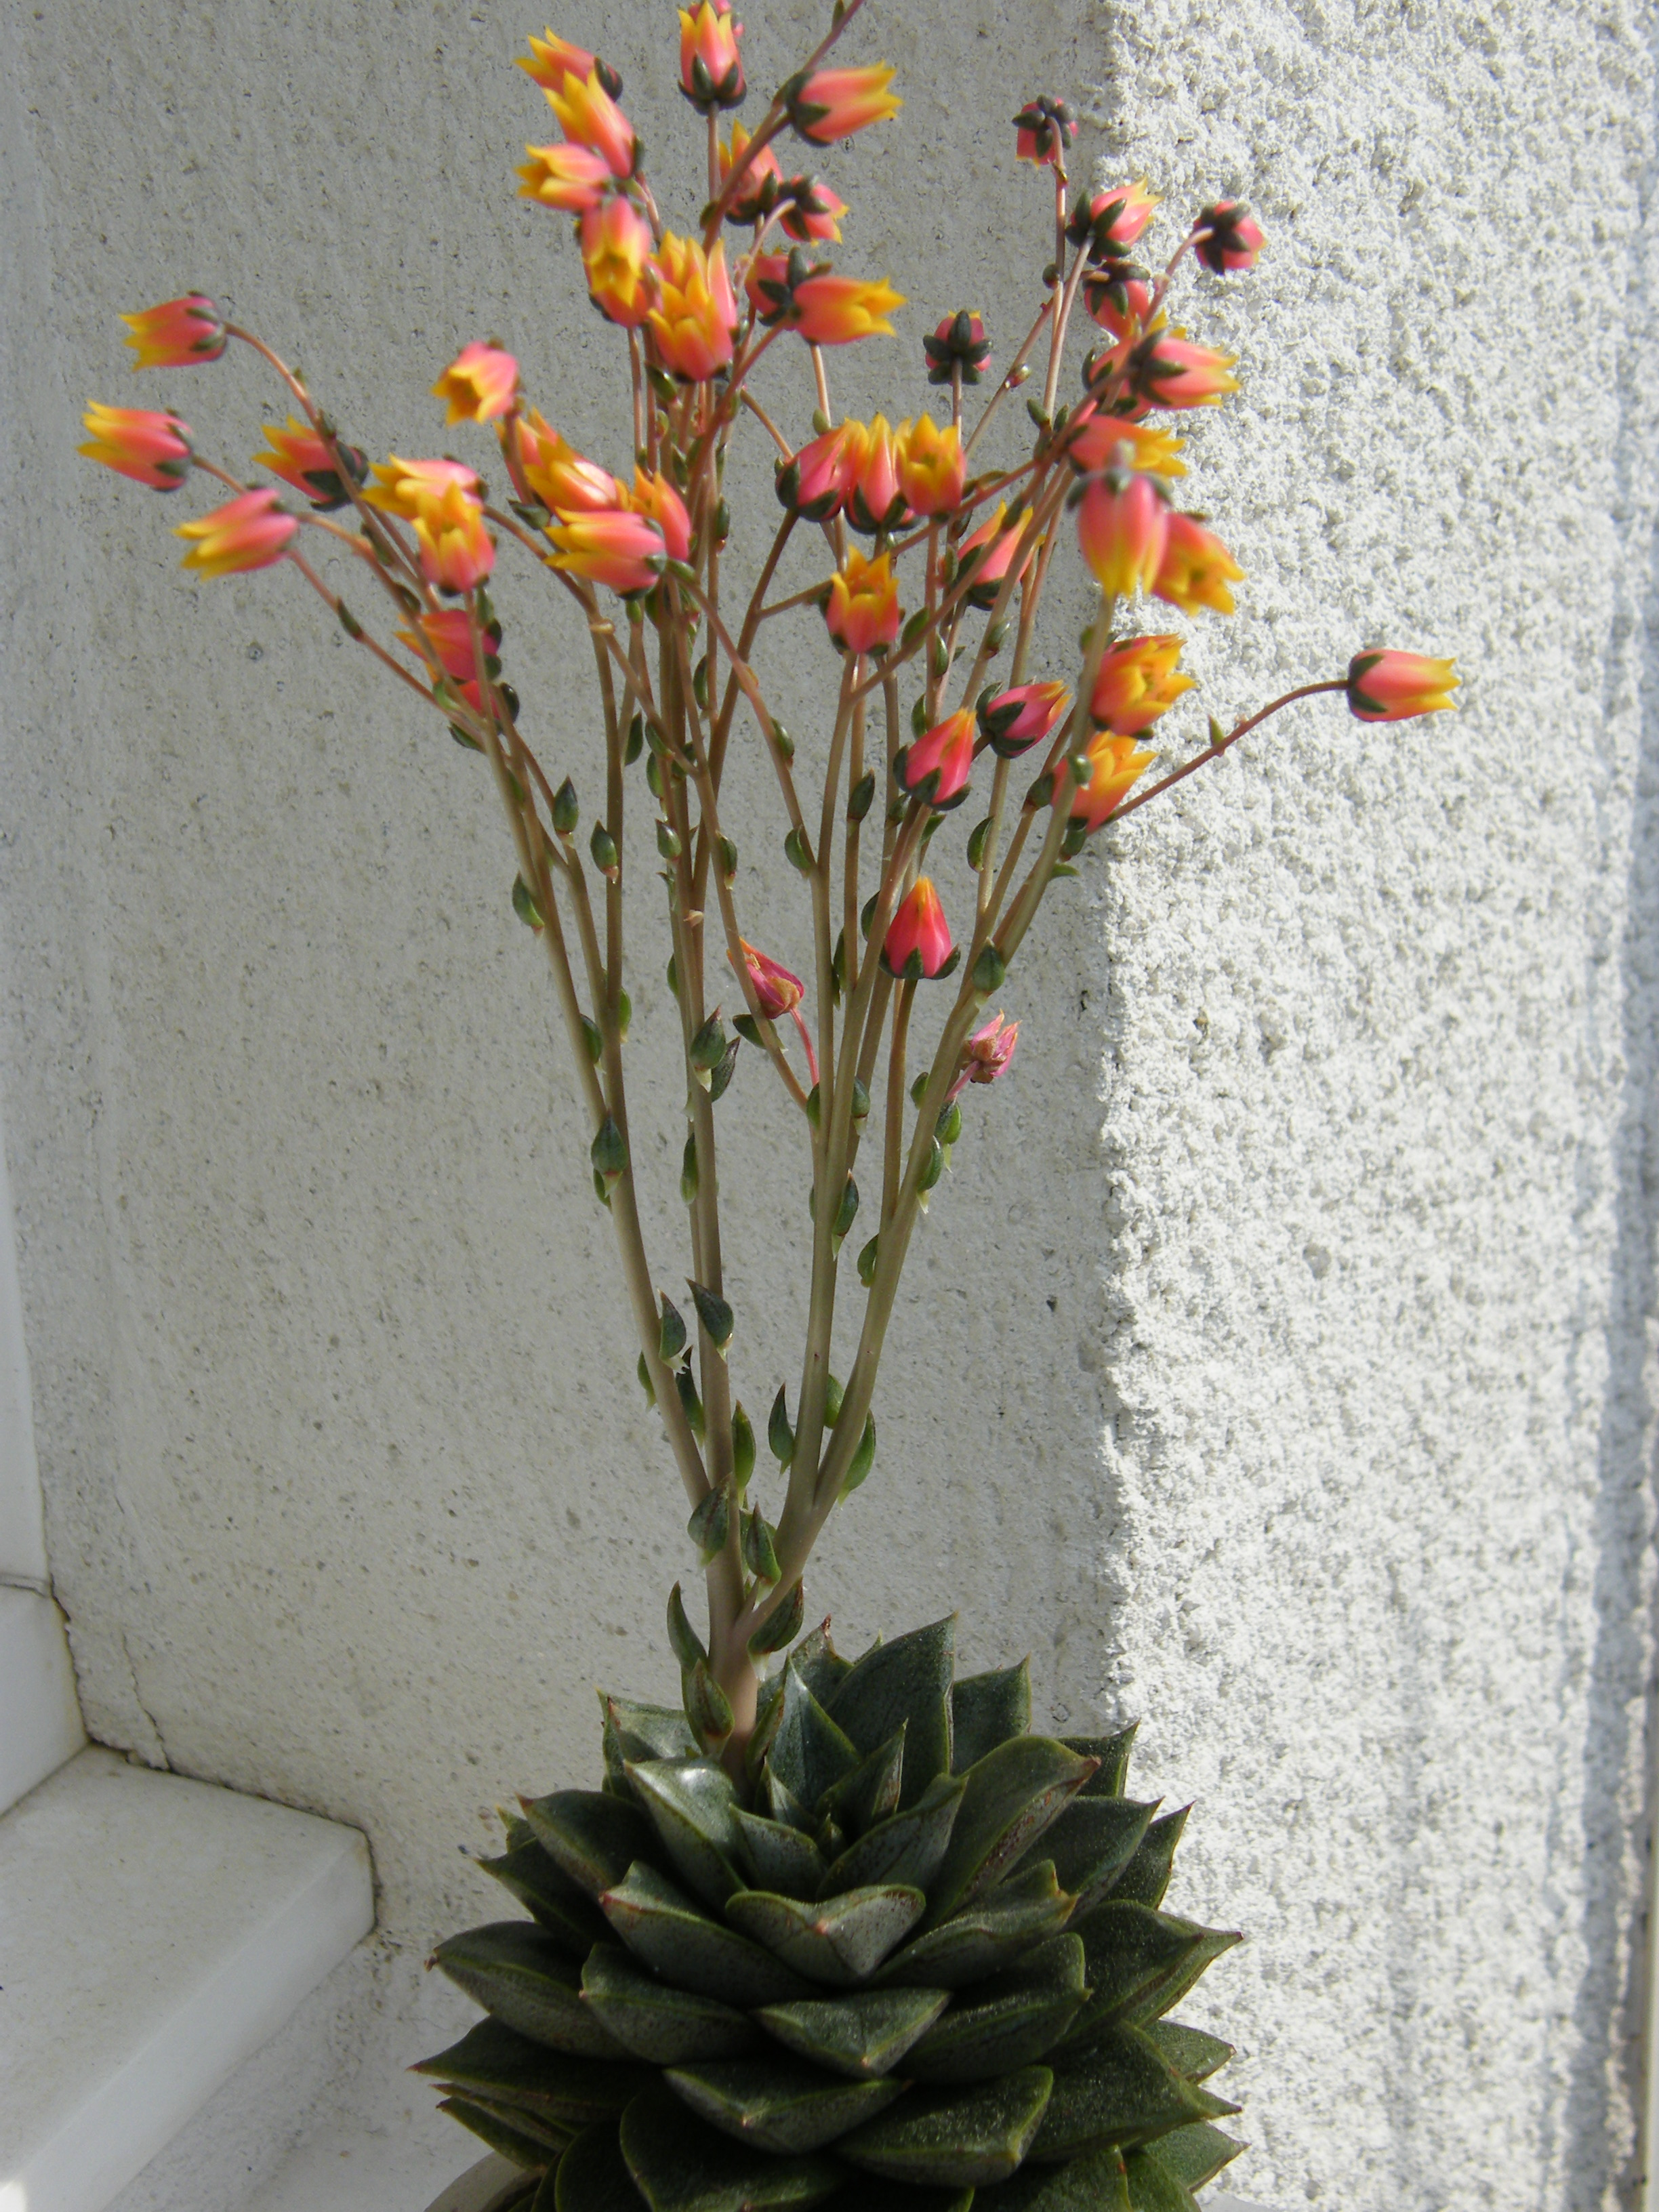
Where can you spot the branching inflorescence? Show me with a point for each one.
(926, 577)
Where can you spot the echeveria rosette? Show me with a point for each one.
(919, 1954)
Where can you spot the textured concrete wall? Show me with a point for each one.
(1276, 1365)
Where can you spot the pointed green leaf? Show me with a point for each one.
(1154, 2188)
(958, 2136)
(862, 2035)
(1189, 2050)
(809, 1754)
(593, 2176)
(557, 1904)
(904, 1684)
(661, 1925)
(690, 1803)
(1194, 2154)
(684, 1640)
(1122, 2092)
(760, 1550)
(779, 2103)
(681, 2165)
(1146, 1877)
(713, 1312)
(778, 1856)
(986, 1935)
(1094, 2182)
(908, 1848)
(524, 1978)
(634, 1731)
(1141, 1962)
(781, 1804)
(836, 1941)
(782, 1626)
(707, 1708)
(1009, 2020)
(1012, 1795)
(653, 2019)
(1093, 1842)
(987, 1709)
(1113, 1753)
(592, 1838)
(871, 1792)
(710, 1523)
(504, 2068)
(509, 2141)
(819, 1665)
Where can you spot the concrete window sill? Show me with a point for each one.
(155, 1932)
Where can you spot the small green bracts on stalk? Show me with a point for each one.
(830, 1931)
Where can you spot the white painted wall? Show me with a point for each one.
(1276, 1366)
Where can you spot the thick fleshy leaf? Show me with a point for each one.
(522, 1976)
(1007, 2021)
(637, 1732)
(592, 1836)
(987, 1709)
(661, 1925)
(593, 2176)
(656, 2020)
(1146, 1877)
(691, 1804)
(779, 2103)
(1110, 1778)
(871, 1792)
(817, 1663)
(1141, 1962)
(909, 1848)
(514, 2143)
(862, 2035)
(777, 1857)
(1093, 1842)
(557, 1904)
(681, 2165)
(506, 2068)
(1189, 2050)
(984, 1937)
(955, 2136)
(780, 1803)
(1194, 2154)
(1011, 1797)
(836, 1941)
(1094, 2182)
(1122, 2092)
(904, 1684)
(1154, 2188)
(809, 1754)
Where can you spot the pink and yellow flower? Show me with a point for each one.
(834, 103)
(987, 554)
(987, 1054)
(1114, 763)
(1119, 303)
(1015, 720)
(932, 469)
(810, 212)
(816, 482)
(403, 488)
(151, 447)
(1106, 441)
(304, 459)
(570, 178)
(1044, 128)
(249, 531)
(553, 59)
(711, 68)
(556, 473)
(1229, 237)
(1392, 687)
(616, 243)
(757, 187)
(863, 612)
(1137, 683)
(917, 940)
(612, 546)
(1196, 568)
(457, 551)
(696, 315)
(1111, 219)
(875, 500)
(179, 334)
(938, 766)
(654, 497)
(776, 991)
(589, 117)
(1169, 371)
(1122, 528)
(446, 638)
(831, 310)
(479, 385)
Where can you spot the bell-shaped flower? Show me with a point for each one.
(557, 473)
(863, 610)
(1015, 720)
(614, 546)
(654, 497)
(957, 347)
(402, 488)
(1195, 568)
(1044, 128)
(589, 117)
(711, 68)
(1168, 371)
(304, 459)
(457, 551)
(695, 316)
(446, 638)
(875, 502)
(1120, 300)
(986, 1055)
(479, 385)
(1110, 219)
(831, 310)
(809, 212)
(179, 334)
(988, 553)
(1138, 681)
(150, 446)
(829, 104)
(1227, 237)
(917, 940)
(616, 244)
(937, 765)
(1392, 687)
(776, 991)
(553, 59)
(1114, 763)
(569, 177)
(758, 186)
(249, 531)
(1113, 441)
(817, 480)
(1122, 527)
(932, 468)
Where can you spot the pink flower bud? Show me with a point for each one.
(1227, 237)
(151, 447)
(1111, 219)
(589, 117)
(937, 767)
(1046, 128)
(918, 942)
(834, 103)
(776, 990)
(249, 531)
(876, 501)
(711, 68)
(614, 547)
(958, 344)
(816, 482)
(988, 555)
(987, 1054)
(655, 497)
(809, 211)
(304, 459)
(1015, 720)
(179, 334)
(1392, 687)
(1171, 372)
(1122, 525)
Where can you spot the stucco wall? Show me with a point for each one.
(1276, 1361)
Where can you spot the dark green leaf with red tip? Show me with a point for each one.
(593, 2176)
(592, 1837)
(521, 1976)
(1011, 1797)
(1093, 1842)
(1121, 2091)
(680, 2164)
(1007, 2021)
(691, 1804)
(568, 1913)
(653, 2019)
(778, 2103)
(817, 1663)
(516, 2143)
(954, 2137)
(1146, 1877)
(1154, 2188)
(984, 1937)
(906, 1685)
(637, 1732)
(661, 1925)
(1189, 2050)
(493, 2061)
(1194, 2154)
(835, 1942)
(809, 1754)
(1113, 1753)
(909, 1848)
(987, 1709)
(862, 2035)
(1141, 1962)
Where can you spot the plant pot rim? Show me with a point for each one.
(490, 2186)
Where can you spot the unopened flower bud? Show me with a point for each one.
(959, 343)
(1227, 237)
(1392, 687)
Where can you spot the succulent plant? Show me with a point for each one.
(915, 1954)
